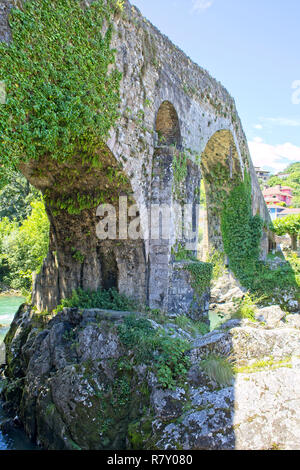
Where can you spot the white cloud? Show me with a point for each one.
(275, 157)
(280, 121)
(258, 126)
(200, 5)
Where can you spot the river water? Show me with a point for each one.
(16, 439)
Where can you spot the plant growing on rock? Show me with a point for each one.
(103, 299)
(166, 354)
(247, 307)
(288, 225)
(218, 369)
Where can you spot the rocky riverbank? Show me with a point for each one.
(84, 380)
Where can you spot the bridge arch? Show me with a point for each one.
(221, 170)
(78, 257)
(167, 125)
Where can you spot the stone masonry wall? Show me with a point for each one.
(194, 107)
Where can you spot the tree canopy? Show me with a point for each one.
(23, 247)
(16, 198)
(288, 225)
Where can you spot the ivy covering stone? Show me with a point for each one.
(62, 99)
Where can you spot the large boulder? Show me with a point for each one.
(75, 384)
(272, 316)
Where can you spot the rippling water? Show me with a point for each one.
(16, 439)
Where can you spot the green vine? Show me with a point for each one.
(78, 256)
(241, 232)
(62, 99)
(201, 275)
(180, 173)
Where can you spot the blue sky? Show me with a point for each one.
(253, 48)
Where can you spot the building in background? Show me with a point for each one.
(278, 195)
(262, 174)
(283, 176)
(275, 211)
(287, 212)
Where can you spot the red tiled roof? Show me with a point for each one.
(274, 191)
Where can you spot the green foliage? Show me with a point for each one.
(16, 197)
(201, 275)
(180, 173)
(218, 369)
(266, 281)
(217, 259)
(180, 253)
(104, 299)
(293, 261)
(241, 232)
(165, 354)
(61, 98)
(202, 195)
(194, 327)
(288, 225)
(241, 237)
(247, 307)
(23, 248)
(6, 228)
(78, 256)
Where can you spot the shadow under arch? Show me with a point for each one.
(221, 171)
(77, 258)
(167, 125)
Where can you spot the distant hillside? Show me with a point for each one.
(293, 181)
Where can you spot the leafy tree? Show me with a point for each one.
(16, 197)
(288, 225)
(6, 227)
(24, 247)
(293, 168)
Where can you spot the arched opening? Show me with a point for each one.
(221, 171)
(167, 125)
(78, 257)
(168, 142)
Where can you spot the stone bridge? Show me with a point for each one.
(171, 110)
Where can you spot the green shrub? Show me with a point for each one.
(165, 354)
(247, 307)
(104, 299)
(218, 369)
(217, 259)
(201, 275)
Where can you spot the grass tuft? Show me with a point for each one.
(218, 369)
